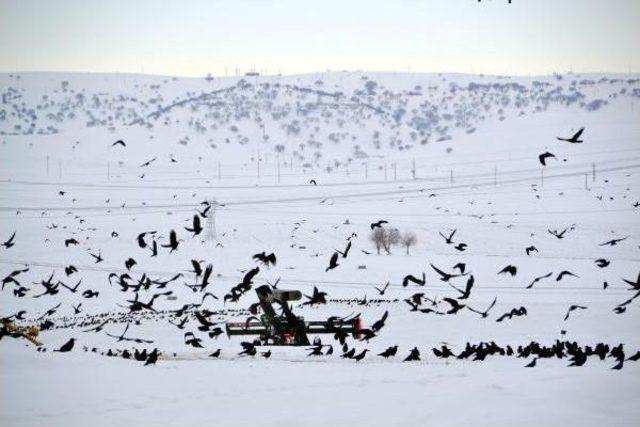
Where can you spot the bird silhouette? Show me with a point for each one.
(411, 278)
(575, 139)
(9, 243)
(537, 279)
(572, 308)
(196, 228)
(414, 354)
(333, 262)
(265, 259)
(119, 142)
(449, 239)
(531, 249)
(613, 242)
(445, 277)
(564, 273)
(601, 262)
(378, 224)
(511, 269)
(485, 313)
(173, 241)
(389, 352)
(383, 290)
(66, 347)
(544, 156)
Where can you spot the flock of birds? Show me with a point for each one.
(196, 316)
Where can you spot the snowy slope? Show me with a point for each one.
(428, 153)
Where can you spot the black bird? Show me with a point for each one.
(558, 235)
(196, 227)
(346, 250)
(378, 224)
(152, 358)
(197, 268)
(537, 279)
(360, 356)
(333, 262)
(460, 266)
(66, 346)
(90, 294)
(130, 263)
(119, 142)
(313, 182)
(613, 242)
(390, 352)
(448, 240)
(575, 139)
(531, 249)
(173, 241)
(635, 285)
(379, 324)
(445, 277)
(70, 270)
(467, 289)
(532, 363)
(192, 340)
(383, 290)
(411, 278)
(455, 305)
(266, 259)
(413, 355)
(71, 241)
(564, 273)
(522, 311)
(317, 297)
(601, 262)
(74, 289)
(147, 163)
(9, 243)
(98, 257)
(574, 307)
(460, 247)
(485, 313)
(216, 353)
(154, 249)
(140, 238)
(511, 269)
(249, 349)
(544, 156)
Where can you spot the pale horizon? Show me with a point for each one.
(192, 39)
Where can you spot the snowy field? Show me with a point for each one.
(429, 153)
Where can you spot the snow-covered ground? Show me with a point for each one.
(427, 153)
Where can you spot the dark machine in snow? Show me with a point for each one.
(286, 328)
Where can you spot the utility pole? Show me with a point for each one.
(451, 176)
(593, 172)
(413, 168)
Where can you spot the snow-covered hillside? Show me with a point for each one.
(301, 166)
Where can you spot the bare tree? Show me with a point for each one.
(409, 239)
(392, 237)
(378, 237)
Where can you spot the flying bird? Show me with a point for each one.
(9, 243)
(544, 156)
(378, 224)
(575, 139)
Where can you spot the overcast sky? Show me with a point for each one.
(191, 38)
